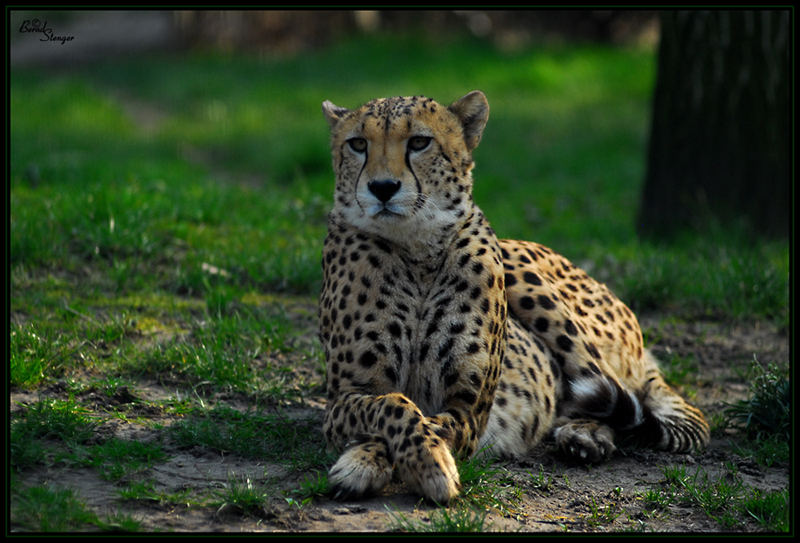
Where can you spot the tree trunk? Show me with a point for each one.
(721, 127)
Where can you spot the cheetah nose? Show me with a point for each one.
(383, 189)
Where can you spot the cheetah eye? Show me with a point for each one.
(418, 143)
(359, 145)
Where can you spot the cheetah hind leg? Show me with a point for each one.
(363, 469)
(584, 440)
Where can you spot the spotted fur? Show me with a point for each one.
(441, 340)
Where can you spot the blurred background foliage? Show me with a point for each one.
(185, 151)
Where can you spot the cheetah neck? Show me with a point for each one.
(427, 255)
(424, 246)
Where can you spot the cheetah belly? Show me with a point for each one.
(524, 405)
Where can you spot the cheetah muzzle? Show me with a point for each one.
(442, 340)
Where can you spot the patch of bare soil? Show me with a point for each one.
(553, 496)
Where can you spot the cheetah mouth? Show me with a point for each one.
(384, 211)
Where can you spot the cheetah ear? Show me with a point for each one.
(473, 112)
(333, 113)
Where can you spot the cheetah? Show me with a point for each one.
(441, 340)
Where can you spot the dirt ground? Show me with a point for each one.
(604, 498)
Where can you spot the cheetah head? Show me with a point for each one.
(403, 164)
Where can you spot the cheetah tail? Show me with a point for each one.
(681, 427)
(658, 418)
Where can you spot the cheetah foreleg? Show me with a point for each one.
(399, 432)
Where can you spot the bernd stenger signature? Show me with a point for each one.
(35, 25)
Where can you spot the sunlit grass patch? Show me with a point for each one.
(51, 342)
(36, 352)
(253, 350)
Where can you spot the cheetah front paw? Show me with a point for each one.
(430, 470)
(585, 441)
(363, 469)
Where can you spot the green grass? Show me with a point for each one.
(769, 509)
(53, 432)
(313, 486)
(295, 443)
(461, 518)
(36, 352)
(721, 276)
(53, 509)
(724, 498)
(63, 422)
(118, 458)
(765, 417)
(244, 495)
(487, 486)
(230, 351)
(145, 490)
(767, 411)
(602, 514)
(542, 481)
